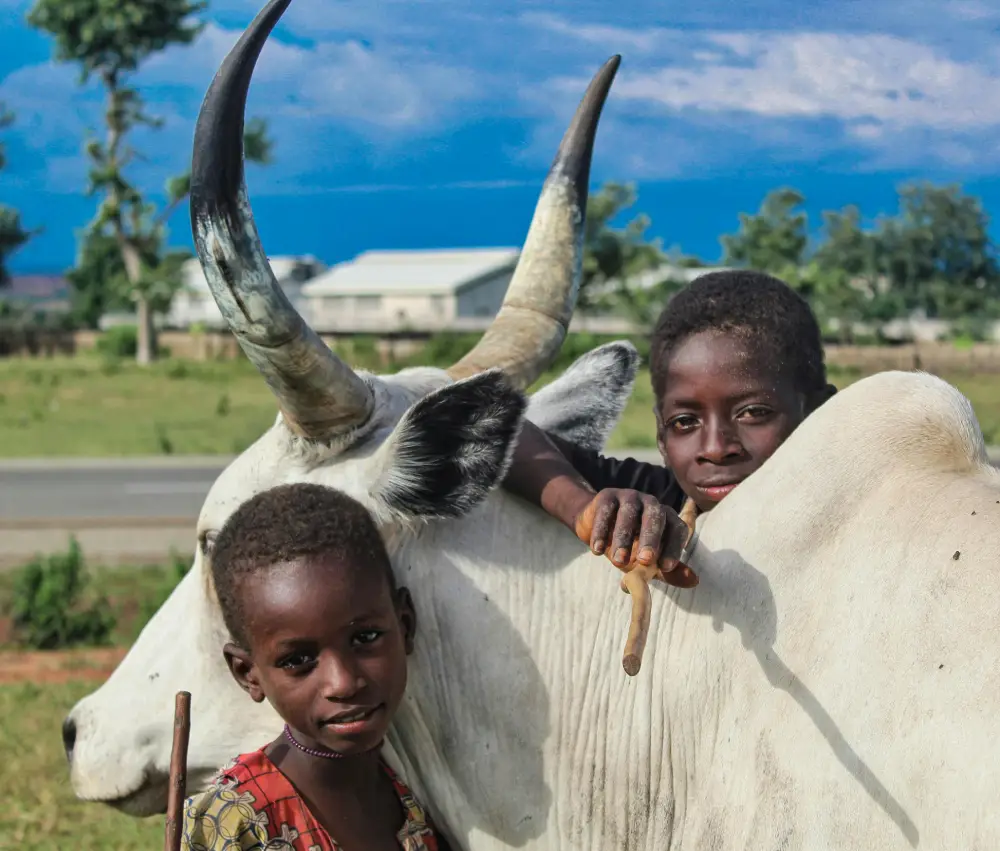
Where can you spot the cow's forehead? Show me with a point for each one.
(278, 457)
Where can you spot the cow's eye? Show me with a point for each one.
(208, 542)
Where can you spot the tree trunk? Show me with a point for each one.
(145, 347)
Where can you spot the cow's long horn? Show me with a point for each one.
(532, 322)
(320, 396)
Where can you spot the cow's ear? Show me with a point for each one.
(584, 404)
(450, 449)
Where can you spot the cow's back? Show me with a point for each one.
(860, 637)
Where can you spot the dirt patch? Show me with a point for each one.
(59, 666)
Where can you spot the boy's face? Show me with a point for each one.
(724, 412)
(328, 646)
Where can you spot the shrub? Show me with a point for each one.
(49, 608)
(121, 341)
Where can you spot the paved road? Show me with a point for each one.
(49, 493)
(120, 510)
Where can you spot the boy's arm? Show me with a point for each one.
(541, 474)
(620, 520)
(557, 475)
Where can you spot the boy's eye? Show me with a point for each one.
(682, 423)
(367, 636)
(755, 412)
(296, 660)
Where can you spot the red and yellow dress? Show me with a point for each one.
(252, 806)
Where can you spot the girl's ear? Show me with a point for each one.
(244, 671)
(407, 617)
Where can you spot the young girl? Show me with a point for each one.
(319, 629)
(736, 362)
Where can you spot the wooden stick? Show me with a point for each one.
(178, 771)
(689, 514)
(636, 584)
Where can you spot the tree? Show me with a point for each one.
(843, 280)
(615, 255)
(937, 255)
(773, 240)
(100, 283)
(110, 39)
(12, 234)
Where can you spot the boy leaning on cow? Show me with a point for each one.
(736, 362)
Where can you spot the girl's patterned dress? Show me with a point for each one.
(252, 806)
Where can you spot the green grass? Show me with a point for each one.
(40, 812)
(84, 406)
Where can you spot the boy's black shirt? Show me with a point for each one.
(602, 472)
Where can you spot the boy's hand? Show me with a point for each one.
(631, 527)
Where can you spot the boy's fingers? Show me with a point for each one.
(626, 530)
(678, 574)
(604, 522)
(651, 533)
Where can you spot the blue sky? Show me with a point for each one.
(411, 123)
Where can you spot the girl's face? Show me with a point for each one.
(723, 413)
(328, 646)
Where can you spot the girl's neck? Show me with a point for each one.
(357, 773)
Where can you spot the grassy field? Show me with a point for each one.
(85, 406)
(40, 812)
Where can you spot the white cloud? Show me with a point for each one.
(623, 39)
(378, 98)
(368, 84)
(815, 75)
(887, 99)
(974, 10)
(345, 81)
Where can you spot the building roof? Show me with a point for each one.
(283, 267)
(46, 293)
(428, 271)
(36, 287)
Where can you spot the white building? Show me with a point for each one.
(428, 290)
(652, 277)
(193, 304)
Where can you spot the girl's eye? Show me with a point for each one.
(368, 636)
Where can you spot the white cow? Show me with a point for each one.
(827, 685)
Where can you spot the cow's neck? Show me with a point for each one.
(517, 702)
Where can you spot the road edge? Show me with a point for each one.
(218, 462)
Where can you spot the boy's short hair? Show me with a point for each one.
(284, 524)
(777, 319)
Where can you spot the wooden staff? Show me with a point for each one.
(178, 771)
(636, 583)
